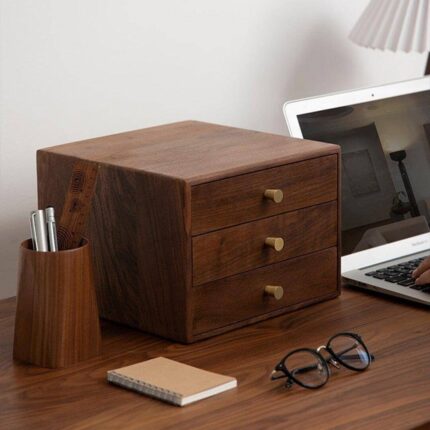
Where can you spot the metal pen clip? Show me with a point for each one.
(33, 229)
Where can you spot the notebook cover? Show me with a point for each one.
(168, 380)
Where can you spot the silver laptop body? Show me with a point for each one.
(384, 134)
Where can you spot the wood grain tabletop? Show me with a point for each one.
(394, 393)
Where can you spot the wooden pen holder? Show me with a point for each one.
(57, 321)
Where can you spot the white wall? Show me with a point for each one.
(71, 70)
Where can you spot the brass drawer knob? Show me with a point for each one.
(274, 291)
(277, 243)
(275, 195)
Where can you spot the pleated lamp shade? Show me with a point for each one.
(397, 25)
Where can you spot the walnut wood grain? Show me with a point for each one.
(392, 394)
(77, 205)
(238, 249)
(57, 321)
(221, 303)
(194, 151)
(241, 199)
(142, 249)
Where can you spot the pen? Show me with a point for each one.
(40, 231)
(52, 229)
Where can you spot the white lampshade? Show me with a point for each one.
(398, 25)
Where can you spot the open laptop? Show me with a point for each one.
(384, 134)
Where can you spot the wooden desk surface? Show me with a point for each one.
(393, 394)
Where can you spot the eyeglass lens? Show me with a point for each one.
(307, 368)
(350, 351)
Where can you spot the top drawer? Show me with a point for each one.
(241, 198)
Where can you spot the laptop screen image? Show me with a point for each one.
(385, 167)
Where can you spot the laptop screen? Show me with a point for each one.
(385, 167)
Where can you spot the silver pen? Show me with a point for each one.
(39, 230)
(52, 229)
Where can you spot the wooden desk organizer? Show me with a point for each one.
(57, 321)
(198, 228)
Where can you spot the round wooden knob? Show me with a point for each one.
(274, 291)
(277, 243)
(275, 195)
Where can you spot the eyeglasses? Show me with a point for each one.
(310, 369)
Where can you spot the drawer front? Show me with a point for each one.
(242, 198)
(243, 296)
(245, 247)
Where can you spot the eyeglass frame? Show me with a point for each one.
(334, 360)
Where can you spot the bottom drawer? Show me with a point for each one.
(240, 297)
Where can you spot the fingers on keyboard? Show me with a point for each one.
(423, 279)
(403, 274)
(423, 267)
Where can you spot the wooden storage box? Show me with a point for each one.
(199, 228)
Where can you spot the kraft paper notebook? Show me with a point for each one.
(171, 381)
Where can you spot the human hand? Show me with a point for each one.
(422, 272)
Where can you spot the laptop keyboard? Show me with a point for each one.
(401, 274)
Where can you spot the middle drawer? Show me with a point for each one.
(247, 246)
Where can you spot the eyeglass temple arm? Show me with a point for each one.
(289, 381)
(357, 357)
(294, 372)
(352, 356)
(305, 369)
(273, 377)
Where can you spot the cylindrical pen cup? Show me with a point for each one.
(57, 321)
